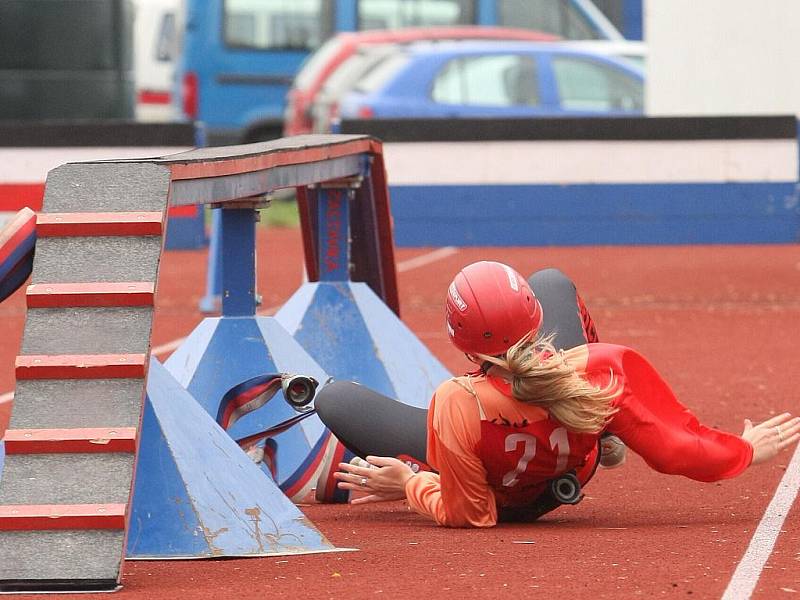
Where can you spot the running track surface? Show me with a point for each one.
(720, 323)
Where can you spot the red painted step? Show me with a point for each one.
(35, 517)
(56, 295)
(57, 441)
(80, 366)
(99, 224)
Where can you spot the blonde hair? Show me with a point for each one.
(542, 375)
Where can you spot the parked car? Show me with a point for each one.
(325, 61)
(499, 79)
(325, 106)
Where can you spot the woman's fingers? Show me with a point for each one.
(786, 443)
(383, 461)
(776, 420)
(789, 433)
(354, 469)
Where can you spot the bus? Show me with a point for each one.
(66, 59)
(239, 57)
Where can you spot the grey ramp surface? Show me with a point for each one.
(94, 259)
(298, 142)
(103, 478)
(87, 330)
(77, 403)
(107, 187)
(84, 554)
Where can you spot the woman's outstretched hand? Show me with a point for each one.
(771, 436)
(384, 480)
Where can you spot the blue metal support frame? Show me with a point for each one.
(210, 302)
(333, 244)
(238, 241)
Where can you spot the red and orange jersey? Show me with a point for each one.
(495, 451)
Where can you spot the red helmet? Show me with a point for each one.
(490, 307)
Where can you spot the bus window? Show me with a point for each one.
(275, 25)
(167, 40)
(560, 17)
(393, 14)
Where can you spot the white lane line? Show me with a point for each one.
(425, 259)
(745, 577)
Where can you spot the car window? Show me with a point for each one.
(384, 71)
(354, 69)
(278, 24)
(496, 80)
(553, 16)
(392, 14)
(584, 84)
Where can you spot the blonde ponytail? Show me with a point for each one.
(541, 375)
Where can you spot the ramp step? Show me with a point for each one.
(61, 516)
(58, 295)
(67, 478)
(51, 441)
(80, 366)
(99, 224)
(76, 403)
(96, 259)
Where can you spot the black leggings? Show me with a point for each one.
(368, 423)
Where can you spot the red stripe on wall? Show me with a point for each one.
(14, 196)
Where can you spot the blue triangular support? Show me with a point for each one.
(354, 336)
(198, 495)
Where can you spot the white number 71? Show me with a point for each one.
(558, 441)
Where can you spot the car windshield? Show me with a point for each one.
(393, 14)
(274, 25)
(354, 69)
(378, 76)
(584, 84)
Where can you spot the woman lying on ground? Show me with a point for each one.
(548, 403)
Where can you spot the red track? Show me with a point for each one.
(720, 323)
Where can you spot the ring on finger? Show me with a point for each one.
(780, 433)
(363, 482)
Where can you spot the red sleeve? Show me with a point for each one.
(654, 424)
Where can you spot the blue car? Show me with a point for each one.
(496, 79)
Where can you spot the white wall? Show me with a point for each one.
(722, 57)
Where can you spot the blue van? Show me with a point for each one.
(240, 56)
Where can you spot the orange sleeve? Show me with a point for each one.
(459, 496)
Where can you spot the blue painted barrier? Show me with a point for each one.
(198, 495)
(536, 182)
